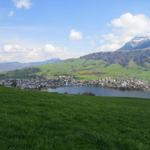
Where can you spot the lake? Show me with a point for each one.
(99, 91)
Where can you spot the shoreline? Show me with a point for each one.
(117, 83)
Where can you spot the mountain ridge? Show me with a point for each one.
(136, 43)
(10, 66)
(121, 57)
(137, 50)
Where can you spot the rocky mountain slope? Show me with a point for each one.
(136, 50)
(140, 57)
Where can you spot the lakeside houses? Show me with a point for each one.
(117, 83)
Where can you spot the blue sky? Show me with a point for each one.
(34, 30)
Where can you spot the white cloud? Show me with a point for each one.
(26, 4)
(75, 35)
(11, 13)
(124, 28)
(17, 52)
(11, 48)
(50, 48)
(46, 52)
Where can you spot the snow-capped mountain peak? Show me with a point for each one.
(137, 43)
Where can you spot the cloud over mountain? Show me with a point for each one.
(123, 29)
(18, 52)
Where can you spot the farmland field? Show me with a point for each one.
(39, 120)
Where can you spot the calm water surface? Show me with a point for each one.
(99, 91)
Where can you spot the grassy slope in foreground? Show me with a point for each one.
(39, 120)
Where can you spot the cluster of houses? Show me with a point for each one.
(118, 83)
(36, 83)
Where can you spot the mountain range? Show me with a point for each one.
(136, 50)
(132, 60)
(140, 57)
(10, 66)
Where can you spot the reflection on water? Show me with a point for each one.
(99, 91)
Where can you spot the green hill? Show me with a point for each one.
(84, 69)
(31, 120)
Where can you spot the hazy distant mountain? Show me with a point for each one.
(9, 66)
(136, 44)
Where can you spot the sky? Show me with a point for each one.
(37, 30)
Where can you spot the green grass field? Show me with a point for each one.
(32, 120)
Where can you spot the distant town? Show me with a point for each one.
(116, 83)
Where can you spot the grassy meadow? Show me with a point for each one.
(32, 120)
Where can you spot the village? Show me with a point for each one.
(117, 83)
